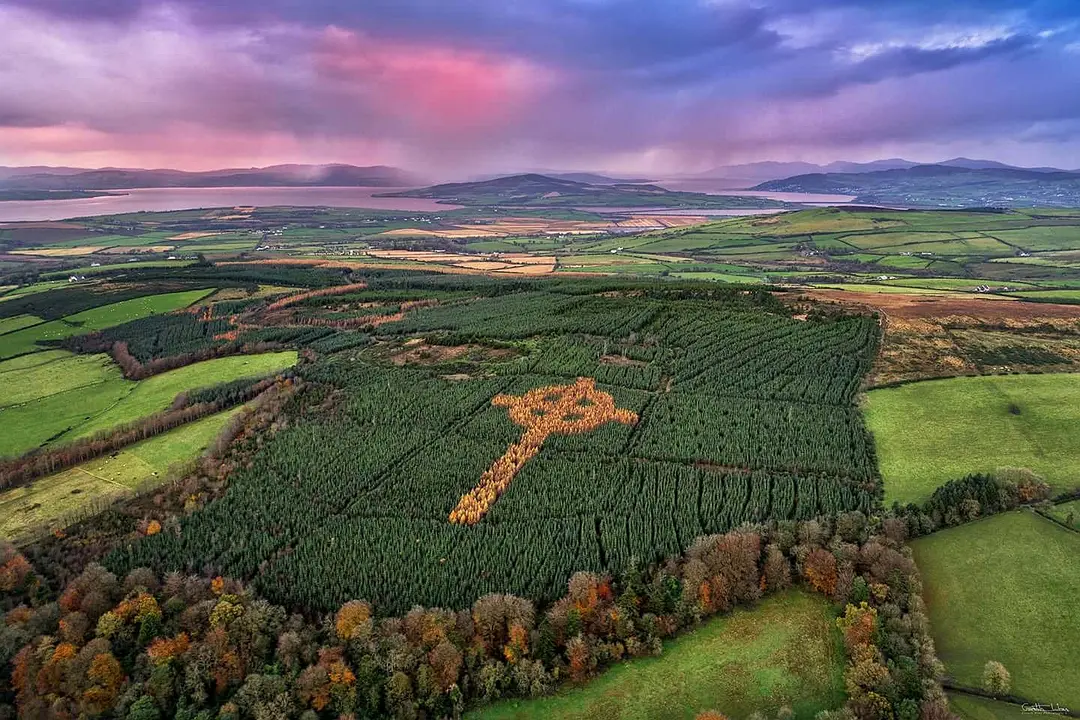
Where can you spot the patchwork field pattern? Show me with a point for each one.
(743, 414)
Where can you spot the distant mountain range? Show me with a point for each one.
(945, 185)
(46, 178)
(535, 190)
(761, 171)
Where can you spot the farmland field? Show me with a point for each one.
(785, 651)
(1067, 513)
(93, 396)
(1006, 588)
(930, 432)
(977, 708)
(55, 498)
(11, 324)
(97, 318)
(742, 413)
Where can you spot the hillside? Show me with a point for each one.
(773, 170)
(545, 191)
(274, 176)
(954, 185)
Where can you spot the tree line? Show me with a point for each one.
(146, 646)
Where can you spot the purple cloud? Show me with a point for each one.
(490, 85)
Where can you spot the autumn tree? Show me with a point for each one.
(858, 625)
(493, 615)
(352, 619)
(820, 571)
(777, 571)
(446, 661)
(579, 653)
(996, 679)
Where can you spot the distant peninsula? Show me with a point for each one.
(25, 195)
(534, 190)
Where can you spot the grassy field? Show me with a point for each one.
(31, 289)
(1063, 512)
(109, 267)
(930, 432)
(18, 322)
(58, 497)
(156, 393)
(785, 651)
(885, 289)
(99, 318)
(59, 372)
(1056, 296)
(969, 707)
(1007, 588)
(93, 396)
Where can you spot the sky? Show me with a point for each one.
(450, 88)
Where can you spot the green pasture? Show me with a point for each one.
(11, 324)
(938, 430)
(1067, 513)
(99, 318)
(785, 651)
(54, 500)
(94, 397)
(1006, 588)
(970, 707)
(110, 267)
(1040, 239)
(1062, 296)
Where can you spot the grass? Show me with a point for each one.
(52, 500)
(960, 284)
(1063, 296)
(938, 430)
(1006, 588)
(1037, 239)
(892, 239)
(969, 707)
(716, 277)
(99, 318)
(98, 398)
(31, 289)
(1062, 512)
(106, 316)
(881, 289)
(784, 651)
(90, 270)
(64, 372)
(18, 322)
(156, 393)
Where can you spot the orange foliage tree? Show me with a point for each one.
(858, 625)
(820, 571)
(352, 616)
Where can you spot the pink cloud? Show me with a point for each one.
(183, 145)
(431, 88)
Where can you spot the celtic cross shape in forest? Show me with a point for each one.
(555, 409)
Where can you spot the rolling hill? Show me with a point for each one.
(949, 186)
(773, 170)
(544, 191)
